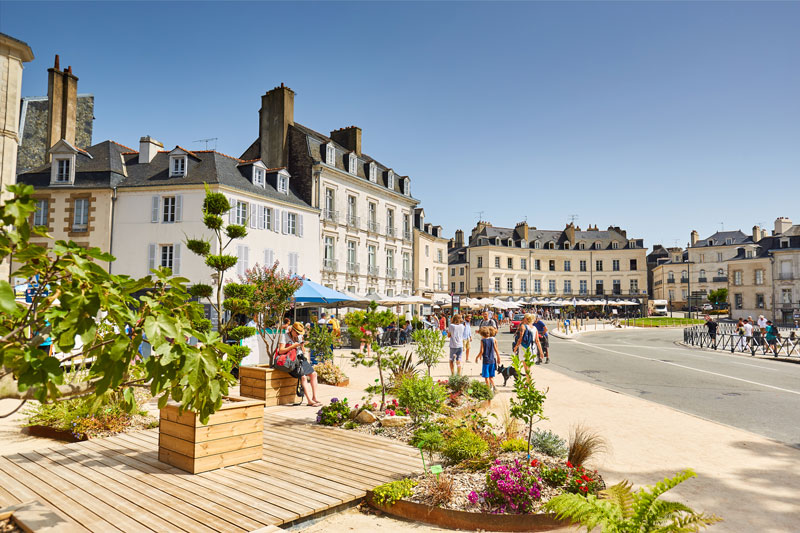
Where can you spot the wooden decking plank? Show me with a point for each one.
(19, 492)
(229, 508)
(62, 502)
(186, 502)
(321, 475)
(6, 498)
(130, 487)
(253, 497)
(102, 486)
(80, 489)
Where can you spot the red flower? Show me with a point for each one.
(534, 463)
(585, 478)
(585, 489)
(569, 465)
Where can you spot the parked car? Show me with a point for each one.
(708, 307)
(515, 321)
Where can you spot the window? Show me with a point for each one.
(241, 213)
(269, 257)
(567, 266)
(390, 180)
(759, 277)
(671, 294)
(786, 296)
(178, 166)
(291, 223)
(283, 184)
(634, 286)
(702, 275)
(453, 271)
(167, 255)
(598, 287)
(670, 277)
(719, 257)
(373, 170)
(684, 276)
(62, 172)
(80, 214)
(453, 286)
(351, 255)
(537, 286)
(749, 254)
(566, 245)
(511, 263)
(439, 256)
(480, 262)
(169, 209)
(728, 241)
(406, 226)
(330, 204)
(406, 263)
(294, 267)
(371, 256)
(737, 277)
(598, 265)
(684, 294)
(784, 243)
(258, 177)
(372, 213)
(552, 265)
(510, 284)
(479, 283)
(390, 261)
(581, 246)
(537, 264)
(583, 287)
(738, 301)
(406, 187)
(328, 253)
(616, 286)
(633, 264)
(551, 286)
(567, 286)
(615, 265)
(461, 271)
(390, 222)
(550, 245)
(759, 301)
(497, 284)
(536, 245)
(460, 286)
(523, 286)
(267, 218)
(497, 262)
(702, 258)
(330, 154)
(40, 217)
(614, 245)
(582, 266)
(523, 264)
(427, 251)
(352, 164)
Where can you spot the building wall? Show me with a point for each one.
(786, 285)
(458, 277)
(430, 254)
(745, 286)
(670, 282)
(334, 225)
(710, 259)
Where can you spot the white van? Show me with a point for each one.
(660, 308)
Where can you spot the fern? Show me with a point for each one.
(620, 510)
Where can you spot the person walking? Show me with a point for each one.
(488, 321)
(489, 355)
(467, 336)
(529, 339)
(773, 336)
(455, 332)
(711, 325)
(541, 328)
(739, 346)
(748, 336)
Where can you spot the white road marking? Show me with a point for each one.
(690, 368)
(689, 352)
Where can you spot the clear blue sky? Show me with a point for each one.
(659, 117)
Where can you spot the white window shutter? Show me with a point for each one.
(239, 259)
(176, 259)
(276, 221)
(246, 261)
(299, 225)
(232, 212)
(297, 263)
(156, 205)
(179, 208)
(284, 221)
(261, 217)
(151, 257)
(253, 215)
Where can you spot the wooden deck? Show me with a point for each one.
(118, 484)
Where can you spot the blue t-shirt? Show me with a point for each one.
(540, 325)
(488, 351)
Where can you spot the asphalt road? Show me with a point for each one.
(762, 396)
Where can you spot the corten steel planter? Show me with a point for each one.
(35, 517)
(53, 433)
(233, 435)
(262, 382)
(467, 520)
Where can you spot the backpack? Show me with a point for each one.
(287, 362)
(527, 338)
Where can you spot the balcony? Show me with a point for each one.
(391, 231)
(373, 271)
(671, 280)
(330, 265)
(391, 273)
(408, 275)
(330, 215)
(373, 227)
(441, 287)
(352, 268)
(702, 280)
(353, 221)
(786, 276)
(722, 279)
(684, 280)
(406, 235)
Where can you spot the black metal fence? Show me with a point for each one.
(727, 338)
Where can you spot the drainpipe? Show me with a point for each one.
(111, 236)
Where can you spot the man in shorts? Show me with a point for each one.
(455, 332)
(541, 327)
(712, 330)
(772, 336)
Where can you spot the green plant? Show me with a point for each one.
(514, 445)
(363, 325)
(329, 372)
(441, 490)
(527, 404)
(476, 421)
(480, 390)
(428, 439)
(321, 341)
(619, 509)
(582, 481)
(583, 444)
(421, 396)
(402, 368)
(555, 476)
(511, 426)
(510, 488)
(334, 414)
(464, 444)
(547, 442)
(350, 424)
(388, 493)
(430, 346)
(458, 382)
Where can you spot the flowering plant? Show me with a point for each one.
(334, 414)
(582, 481)
(510, 488)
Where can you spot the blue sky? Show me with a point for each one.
(659, 117)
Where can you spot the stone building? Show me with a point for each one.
(567, 263)
(670, 276)
(708, 261)
(366, 238)
(430, 259)
(458, 264)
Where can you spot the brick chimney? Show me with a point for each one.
(521, 229)
(782, 225)
(62, 104)
(275, 116)
(756, 234)
(350, 138)
(694, 237)
(459, 238)
(148, 148)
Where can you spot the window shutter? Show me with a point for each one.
(261, 217)
(284, 222)
(299, 225)
(276, 221)
(253, 215)
(151, 257)
(246, 261)
(176, 259)
(154, 215)
(297, 263)
(232, 212)
(178, 208)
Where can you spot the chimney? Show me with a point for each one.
(782, 225)
(756, 234)
(62, 104)
(521, 229)
(148, 148)
(275, 116)
(350, 138)
(694, 237)
(459, 238)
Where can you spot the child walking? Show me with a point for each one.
(489, 354)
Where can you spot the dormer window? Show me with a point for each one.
(729, 241)
(550, 245)
(631, 244)
(390, 180)
(710, 242)
(536, 245)
(614, 245)
(352, 164)
(407, 187)
(62, 169)
(283, 184)
(177, 166)
(372, 172)
(581, 246)
(330, 154)
(598, 245)
(566, 245)
(258, 177)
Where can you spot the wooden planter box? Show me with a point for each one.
(233, 435)
(275, 387)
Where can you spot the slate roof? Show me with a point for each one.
(116, 165)
(720, 238)
(457, 256)
(500, 236)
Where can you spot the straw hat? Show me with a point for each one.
(298, 328)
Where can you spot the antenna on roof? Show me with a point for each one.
(573, 218)
(722, 226)
(208, 141)
(480, 215)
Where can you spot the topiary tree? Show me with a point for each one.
(430, 345)
(363, 326)
(527, 403)
(619, 509)
(78, 299)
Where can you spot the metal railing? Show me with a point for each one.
(406, 235)
(702, 280)
(330, 215)
(391, 273)
(408, 275)
(330, 265)
(391, 231)
(352, 268)
(671, 280)
(786, 275)
(353, 221)
(720, 278)
(727, 338)
(373, 227)
(373, 271)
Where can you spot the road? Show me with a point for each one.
(761, 396)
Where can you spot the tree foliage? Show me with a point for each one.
(92, 315)
(719, 296)
(528, 401)
(430, 346)
(363, 325)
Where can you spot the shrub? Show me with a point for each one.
(421, 396)
(350, 424)
(514, 445)
(389, 493)
(527, 404)
(510, 488)
(320, 341)
(428, 439)
(330, 373)
(581, 481)
(458, 383)
(583, 444)
(430, 346)
(403, 367)
(480, 390)
(555, 477)
(80, 417)
(549, 443)
(335, 413)
(464, 444)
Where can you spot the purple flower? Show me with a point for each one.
(473, 497)
(334, 400)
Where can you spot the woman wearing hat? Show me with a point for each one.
(293, 341)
